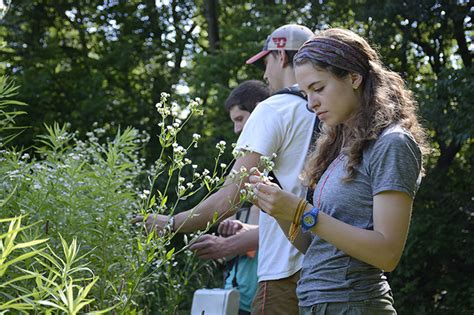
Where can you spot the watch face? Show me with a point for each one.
(308, 220)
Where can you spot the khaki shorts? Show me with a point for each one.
(275, 297)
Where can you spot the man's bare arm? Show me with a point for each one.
(225, 202)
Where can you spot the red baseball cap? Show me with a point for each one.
(286, 37)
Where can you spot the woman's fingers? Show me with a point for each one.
(276, 202)
(255, 171)
(268, 195)
(254, 179)
(266, 206)
(260, 195)
(268, 189)
(264, 198)
(256, 203)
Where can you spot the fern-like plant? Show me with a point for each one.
(8, 111)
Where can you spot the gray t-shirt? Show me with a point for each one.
(392, 162)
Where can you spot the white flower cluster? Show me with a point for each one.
(267, 162)
(195, 106)
(144, 195)
(238, 174)
(247, 193)
(178, 155)
(196, 138)
(173, 131)
(221, 147)
(163, 110)
(211, 180)
(161, 107)
(164, 96)
(174, 117)
(238, 153)
(181, 189)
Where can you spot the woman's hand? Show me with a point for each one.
(272, 199)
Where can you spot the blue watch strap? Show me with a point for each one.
(309, 219)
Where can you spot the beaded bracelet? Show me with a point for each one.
(295, 224)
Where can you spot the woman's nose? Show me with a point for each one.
(313, 103)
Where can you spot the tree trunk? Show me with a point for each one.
(447, 155)
(212, 24)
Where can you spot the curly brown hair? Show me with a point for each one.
(385, 100)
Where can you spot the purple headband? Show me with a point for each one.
(334, 53)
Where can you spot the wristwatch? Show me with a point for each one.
(309, 219)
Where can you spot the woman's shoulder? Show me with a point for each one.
(394, 129)
(392, 138)
(394, 134)
(395, 157)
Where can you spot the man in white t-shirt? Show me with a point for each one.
(282, 125)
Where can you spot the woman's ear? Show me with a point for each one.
(356, 80)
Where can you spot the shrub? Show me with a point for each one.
(88, 190)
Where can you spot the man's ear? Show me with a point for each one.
(356, 80)
(282, 58)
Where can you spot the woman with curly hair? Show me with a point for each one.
(365, 169)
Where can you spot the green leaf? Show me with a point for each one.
(49, 303)
(4, 267)
(30, 244)
(163, 201)
(19, 278)
(16, 306)
(107, 310)
(169, 254)
(139, 245)
(13, 102)
(152, 202)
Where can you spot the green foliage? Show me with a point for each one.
(8, 127)
(101, 63)
(89, 190)
(80, 189)
(40, 280)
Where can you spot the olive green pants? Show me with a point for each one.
(381, 305)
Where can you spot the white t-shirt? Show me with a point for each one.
(281, 124)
